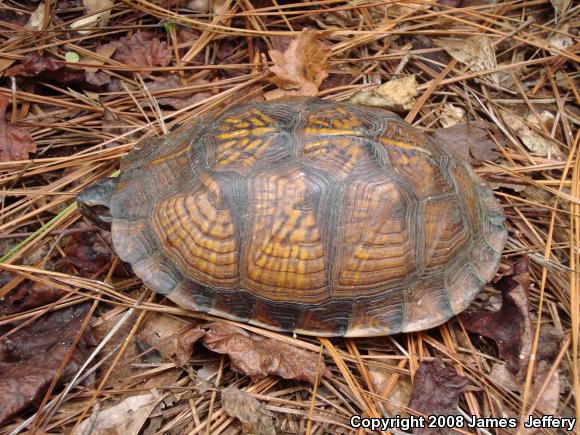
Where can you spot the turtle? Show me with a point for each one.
(304, 215)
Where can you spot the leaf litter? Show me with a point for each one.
(437, 389)
(301, 68)
(15, 143)
(397, 95)
(30, 357)
(510, 327)
(470, 140)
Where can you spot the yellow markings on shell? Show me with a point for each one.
(258, 131)
(331, 132)
(170, 156)
(404, 145)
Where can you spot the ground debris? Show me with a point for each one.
(253, 415)
(142, 49)
(301, 68)
(31, 356)
(510, 326)
(436, 391)
(397, 95)
(124, 418)
(258, 357)
(15, 143)
(469, 140)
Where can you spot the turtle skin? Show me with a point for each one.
(308, 216)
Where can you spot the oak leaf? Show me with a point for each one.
(15, 143)
(301, 68)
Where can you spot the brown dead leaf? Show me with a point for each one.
(47, 69)
(510, 326)
(30, 357)
(253, 415)
(436, 391)
(126, 417)
(179, 99)
(99, 12)
(451, 115)
(28, 295)
(173, 338)
(470, 141)
(548, 400)
(534, 141)
(258, 357)
(476, 52)
(301, 68)
(397, 95)
(400, 394)
(37, 18)
(184, 345)
(560, 6)
(15, 143)
(142, 49)
(206, 376)
(86, 252)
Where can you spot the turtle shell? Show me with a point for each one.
(310, 216)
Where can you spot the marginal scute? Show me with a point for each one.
(308, 216)
(426, 304)
(377, 316)
(462, 285)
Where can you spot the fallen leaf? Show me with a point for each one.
(301, 68)
(451, 115)
(560, 6)
(397, 95)
(436, 391)
(95, 18)
(537, 194)
(15, 143)
(510, 326)
(36, 20)
(126, 417)
(470, 141)
(549, 342)
(47, 69)
(253, 415)
(548, 400)
(561, 41)
(31, 356)
(142, 49)
(258, 357)
(86, 252)
(476, 52)
(29, 294)
(180, 98)
(184, 345)
(103, 51)
(162, 332)
(535, 142)
(400, 394)
(206, 375)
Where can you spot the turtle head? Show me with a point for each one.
(93, 202)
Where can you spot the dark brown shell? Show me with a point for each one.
(311, 216)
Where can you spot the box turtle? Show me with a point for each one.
(305, 215)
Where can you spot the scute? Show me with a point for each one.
(309, 216)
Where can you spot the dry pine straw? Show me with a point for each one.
(369, 43)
